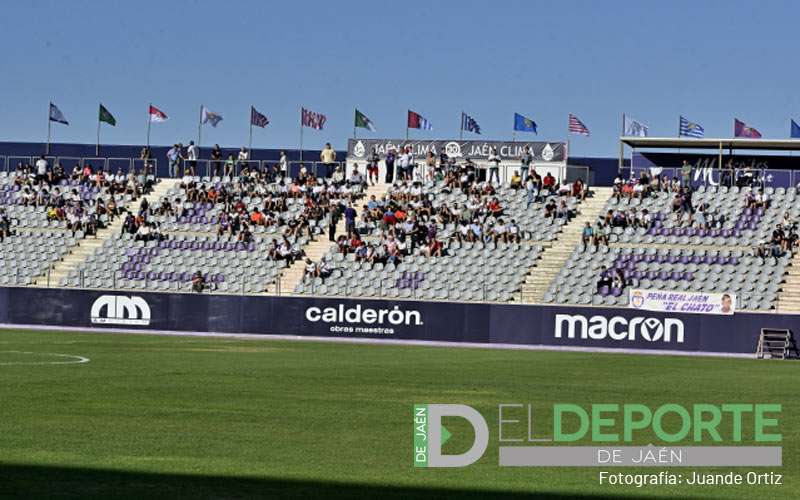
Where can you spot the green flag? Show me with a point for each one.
(106, 116)
(363, 122)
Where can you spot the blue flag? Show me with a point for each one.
(795, 130)
(524, 124)
(469, 124)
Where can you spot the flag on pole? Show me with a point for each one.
(207, 116)
(740, 129)
(56, 115)
(469, 124)
(576, 126)
(633, 128)
(524, 124)
(795, 130)
(690, 129)
(257, 118)
(415, 120)
(363, 122)
(312, 119)
(106, 116)
(156, 115)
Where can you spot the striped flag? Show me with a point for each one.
(690, 129)
(312, 119)
(576, 126)
(469, 124)
(416, 120)
(257, 118)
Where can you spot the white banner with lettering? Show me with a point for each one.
(685, 302)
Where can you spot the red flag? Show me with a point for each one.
(740, 129)
(156, 115)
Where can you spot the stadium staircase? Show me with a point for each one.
(789, 297)
(86, 247)
(548, 266)
(315, 249)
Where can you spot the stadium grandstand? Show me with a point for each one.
(429, 227)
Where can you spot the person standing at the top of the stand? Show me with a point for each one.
(328, 158)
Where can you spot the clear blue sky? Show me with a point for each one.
(710, 60)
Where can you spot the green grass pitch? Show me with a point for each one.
(185, 417)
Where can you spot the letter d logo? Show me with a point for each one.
(429, 435)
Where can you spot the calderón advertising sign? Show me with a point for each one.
(477, 150)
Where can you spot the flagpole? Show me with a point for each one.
(407, 127)
(354, 124)
(97, 148)
(461, 127)
(250, 143)
(621, 147)
(200, 128)
(301, 135)
(148, 124)
(47, 148)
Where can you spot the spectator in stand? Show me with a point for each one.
(41, 169)
(390, 159)
(173, 157)
(549, 183)
(350, 216)
(5, 225)
(494, 165)
(216, 161)
(192, 155)
(405, 164)
(516, 181)
(243, 158)
(198, 282)
(283, 165)
(579, 189)
(686, 173)
(526, 159)
(600, 235)
(728, 174)
(372, 168)
(328, 158)
(587, 236)
(605, 281)
(230, 166)
(532, 187)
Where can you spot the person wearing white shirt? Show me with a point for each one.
(244, 155)
(192, 155)
(494, 165)
(283, 164)
(41, 169)
(404, 164)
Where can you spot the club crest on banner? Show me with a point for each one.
(359, 150)
(637, 299)
(547, 153)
